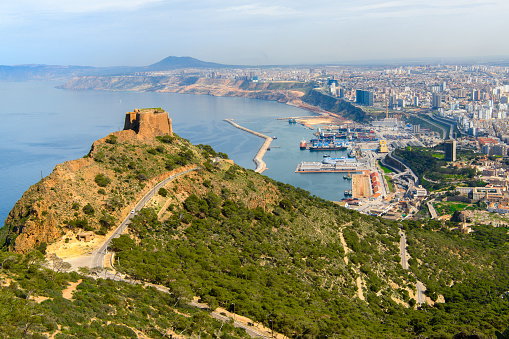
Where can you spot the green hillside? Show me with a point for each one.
(264, 249)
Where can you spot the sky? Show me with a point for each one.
(244, 32)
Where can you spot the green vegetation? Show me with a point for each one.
(98, 309)
(434, 172)
(385, 169)
(389, 183)
(335, 105)
(450, 207)
(285, 262)
(270, 251)
(102, 180)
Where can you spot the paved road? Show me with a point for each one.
(432, 210)
(402, 248)
(96, 257)
(100, 253)
(421, 299)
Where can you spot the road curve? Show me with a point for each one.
(96, 257)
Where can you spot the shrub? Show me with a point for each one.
(112, 139)
(167, 139)
(88, 209)
(102, 180)
(162, 192)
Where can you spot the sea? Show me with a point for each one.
(41, 126)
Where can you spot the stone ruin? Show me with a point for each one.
(148, 122)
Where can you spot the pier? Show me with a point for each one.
(258, 159)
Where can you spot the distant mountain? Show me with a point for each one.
(173, 62)
(59, 72)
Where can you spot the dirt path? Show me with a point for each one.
(67, 293)
(360, 293)
(343, 242)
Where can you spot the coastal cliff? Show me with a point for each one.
(94, 193)
(285, 92)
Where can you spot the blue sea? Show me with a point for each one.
(41, 126)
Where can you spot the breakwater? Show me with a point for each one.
(258, 159)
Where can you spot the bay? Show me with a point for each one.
(42, 126)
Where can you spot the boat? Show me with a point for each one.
(347, 177)
(274, 138)
(320, 146)
(348, 193)
(303, 144)
(351, 154)
(292, 121)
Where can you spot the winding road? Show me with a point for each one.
(96, 257)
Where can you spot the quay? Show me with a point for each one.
(320, 167)
(258, 159)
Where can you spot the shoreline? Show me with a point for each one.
(258, 159)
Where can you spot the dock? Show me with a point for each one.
(258, 159)
(320, 167)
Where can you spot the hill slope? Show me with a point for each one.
(265, 249)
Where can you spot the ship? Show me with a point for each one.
(347, 177)
(303, 144)
(348, 193)
(332, 146)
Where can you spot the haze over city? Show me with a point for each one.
(141, 32)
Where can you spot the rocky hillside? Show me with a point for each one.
(96, 192)
(281, 92)
(262, 249)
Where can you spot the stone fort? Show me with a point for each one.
(148, 122)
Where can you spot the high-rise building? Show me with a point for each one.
(436, 101)
(416, 101)
(364, 97)
(476, 95)
(450, 150)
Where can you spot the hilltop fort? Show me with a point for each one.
(148, 122)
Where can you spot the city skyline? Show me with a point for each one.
(141, 32)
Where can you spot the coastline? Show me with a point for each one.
(258, 159)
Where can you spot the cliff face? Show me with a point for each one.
(281, 92)
(95, 192)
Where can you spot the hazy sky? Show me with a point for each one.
(141, 32)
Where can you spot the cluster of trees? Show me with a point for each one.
(284, 265)
(99, 308)
(426, 166)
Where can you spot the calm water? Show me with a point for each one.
(42, 126)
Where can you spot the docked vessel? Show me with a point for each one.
(348, 193)
(332, 146)
(347, 177)
(303, 144)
